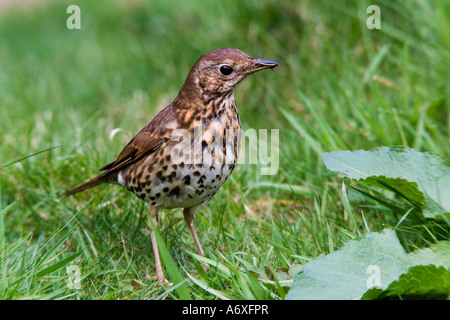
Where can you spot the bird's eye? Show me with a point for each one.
(226, 70)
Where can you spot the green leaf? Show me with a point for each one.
(437, 254)
(426, 278)
(346, 273)
(375, 266)
(402, 187)
(422, 178)
(419, 282)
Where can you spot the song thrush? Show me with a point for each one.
(182, 157)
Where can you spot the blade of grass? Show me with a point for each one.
(170, 264)
(224, 269)
(58, 265)
(307, 138)
(304, 191)
(171, 289)
(48, 256)
(7, 208)
(205, 286)
(26, 157)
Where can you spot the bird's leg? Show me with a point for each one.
(189, 217)
(159, 273)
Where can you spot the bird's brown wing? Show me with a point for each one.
(132, 153)
(150, 139)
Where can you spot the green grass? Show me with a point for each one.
(340, 86)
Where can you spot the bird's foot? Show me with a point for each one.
(160, 278)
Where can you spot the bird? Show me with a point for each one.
(184, 155)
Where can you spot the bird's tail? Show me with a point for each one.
(89, 184)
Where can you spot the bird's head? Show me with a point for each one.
(218, 72)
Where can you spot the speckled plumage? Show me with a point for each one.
(182, 157)
(165, 182)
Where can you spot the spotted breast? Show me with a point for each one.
(190, 169)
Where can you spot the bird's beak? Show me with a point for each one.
(260, 64)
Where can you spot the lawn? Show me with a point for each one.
(340, 86)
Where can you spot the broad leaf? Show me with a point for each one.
(374, 259)
(419, 282)
(427, 277)
(422, 178)
(437, 254)
(375, 266)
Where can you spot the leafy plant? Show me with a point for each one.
(376, 266)
(422, 179)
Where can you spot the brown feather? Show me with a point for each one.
(89, 184)
(148, 140)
